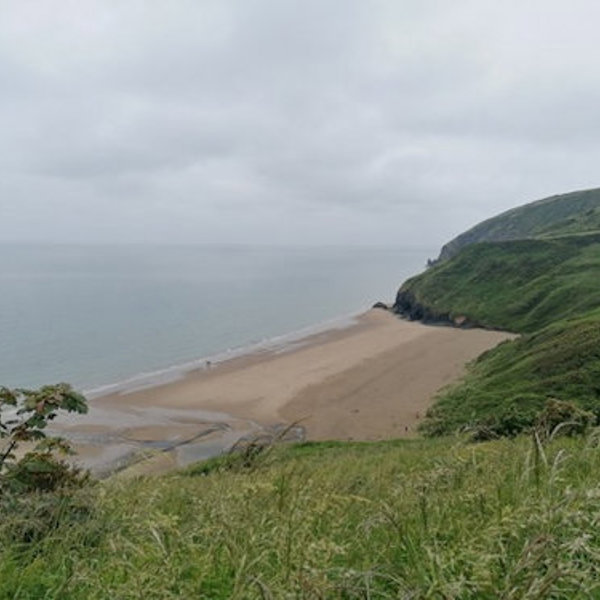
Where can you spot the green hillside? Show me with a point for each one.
(517, 286)
(421, 519)
(507, 387)
(547, 288)
(576, 212)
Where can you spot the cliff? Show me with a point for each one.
(576, 212)
(545, 287)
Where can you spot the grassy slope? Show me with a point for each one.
(511, 383)
(547, 288)
(422, 519)
(519, 286)
(558, 215)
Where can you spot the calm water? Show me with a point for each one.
(100, 314)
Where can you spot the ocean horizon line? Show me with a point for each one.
(265, 245)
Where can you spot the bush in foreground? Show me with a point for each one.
(24, 415)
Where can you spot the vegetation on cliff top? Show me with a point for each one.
(517, 286)
(576, 212)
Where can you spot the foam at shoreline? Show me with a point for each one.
(277, 344)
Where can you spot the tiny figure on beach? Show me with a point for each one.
(208, 364)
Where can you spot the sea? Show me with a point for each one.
(106, 317)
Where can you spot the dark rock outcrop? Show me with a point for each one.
(381, 305)
(407, 306)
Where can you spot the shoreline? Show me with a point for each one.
(372, 379)
(279, 343)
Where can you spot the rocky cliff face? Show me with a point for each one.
(407, 306)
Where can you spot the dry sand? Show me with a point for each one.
(372, 380)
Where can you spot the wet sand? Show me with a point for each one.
(374, 379)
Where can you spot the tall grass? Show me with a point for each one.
(420, 519)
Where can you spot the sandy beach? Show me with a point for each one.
(372, 380)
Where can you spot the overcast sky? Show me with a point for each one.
(279, 121)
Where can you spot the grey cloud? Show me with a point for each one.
(316, 121)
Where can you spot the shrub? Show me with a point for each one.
(563, 418)
(509, 424)
(24, 414)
